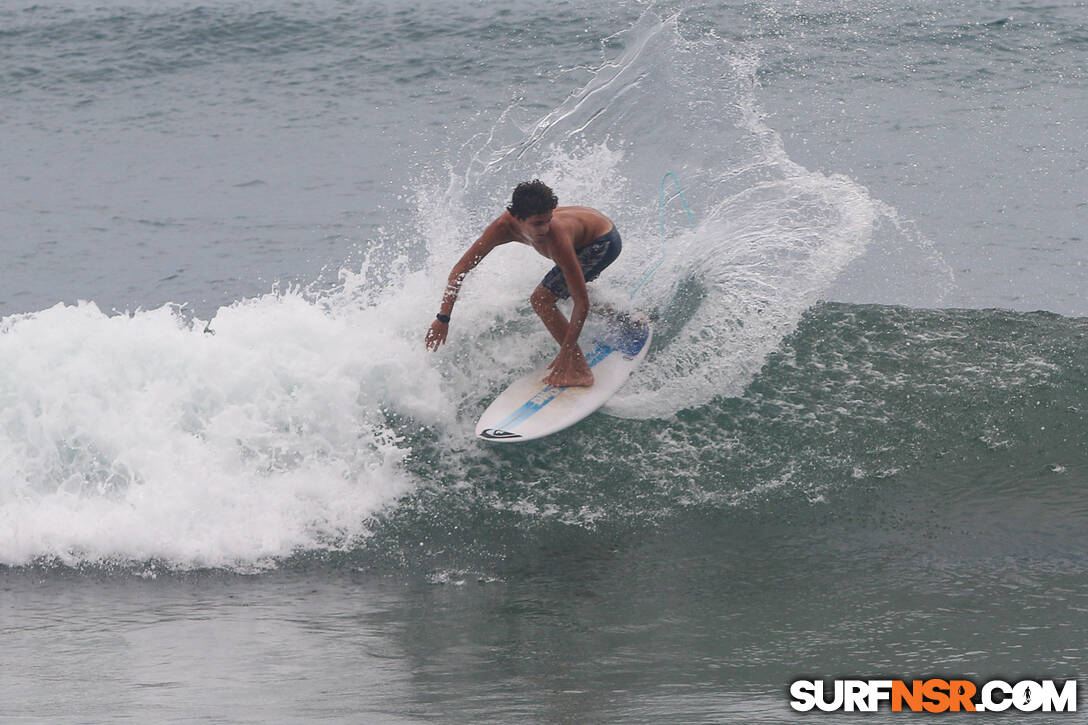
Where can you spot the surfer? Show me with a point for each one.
(580, 240)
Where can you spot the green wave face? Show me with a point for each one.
(862, 411)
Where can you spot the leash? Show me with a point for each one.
(661, 211)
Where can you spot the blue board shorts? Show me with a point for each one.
(593, 258)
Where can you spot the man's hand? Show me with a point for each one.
(437, 334)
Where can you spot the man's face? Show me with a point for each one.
(538, 224)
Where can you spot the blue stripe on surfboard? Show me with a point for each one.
(526, 411)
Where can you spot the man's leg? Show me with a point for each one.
(543, 301)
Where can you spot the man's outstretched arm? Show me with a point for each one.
(491, 238)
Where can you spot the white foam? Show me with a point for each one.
(138, 436)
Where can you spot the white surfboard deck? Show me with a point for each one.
(529, 409)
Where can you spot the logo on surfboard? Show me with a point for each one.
(498, 434)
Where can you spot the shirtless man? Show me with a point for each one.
(581, 241)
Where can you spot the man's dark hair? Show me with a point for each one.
(532, 197)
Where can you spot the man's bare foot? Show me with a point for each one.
(570, 369)
(570, 379)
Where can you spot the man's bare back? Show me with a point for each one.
(580, 224)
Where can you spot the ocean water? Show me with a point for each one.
(234, 487)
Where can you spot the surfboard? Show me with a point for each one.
(528, 409)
